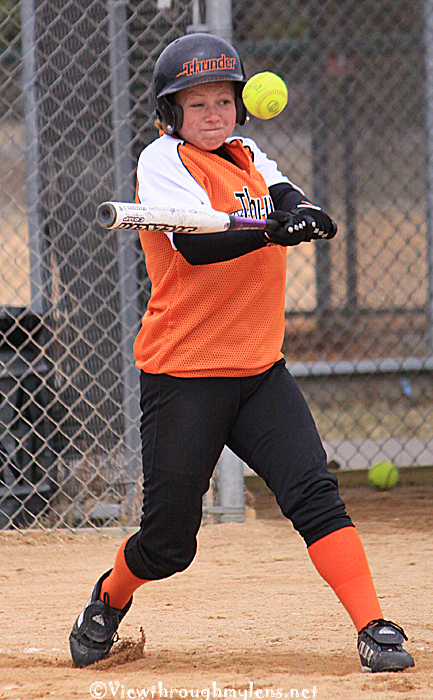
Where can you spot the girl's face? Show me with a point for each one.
(209, 114)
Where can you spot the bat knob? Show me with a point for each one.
(334, 229)
(272, 225)
(106, 215)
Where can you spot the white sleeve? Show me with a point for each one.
(164, 181)
(267, 167)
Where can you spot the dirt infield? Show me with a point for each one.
(250, 618)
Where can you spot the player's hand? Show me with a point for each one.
(319, 224)
(289, 228)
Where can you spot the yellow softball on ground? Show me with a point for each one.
(265, 95)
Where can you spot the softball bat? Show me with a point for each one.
(127, 215)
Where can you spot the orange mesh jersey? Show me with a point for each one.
(222, 319)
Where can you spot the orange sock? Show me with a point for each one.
(121, 583)
(340, 559)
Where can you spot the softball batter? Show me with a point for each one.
(209, 351)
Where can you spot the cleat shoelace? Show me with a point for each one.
(383, 623)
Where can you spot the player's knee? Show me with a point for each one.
(321, 510)
(153, 564)
(163, 567)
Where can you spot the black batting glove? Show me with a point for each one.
(289, 228)
(319, 224)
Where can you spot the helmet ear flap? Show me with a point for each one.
(241, 111)
(171, 115)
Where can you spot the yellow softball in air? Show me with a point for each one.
(265, 95)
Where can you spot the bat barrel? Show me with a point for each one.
(106, 215)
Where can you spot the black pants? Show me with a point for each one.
(186, 423)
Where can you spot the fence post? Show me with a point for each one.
(230, 470)
(428, 38)
(230, 474)
(127, 253)
(319, 150)
(32, 158)
(219, 18)
(349, 165)
(348, 82)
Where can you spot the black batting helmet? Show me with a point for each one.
(195, 59)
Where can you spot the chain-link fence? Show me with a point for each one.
(76, 110)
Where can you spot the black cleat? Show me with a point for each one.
(380, 647)
(95, 629)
